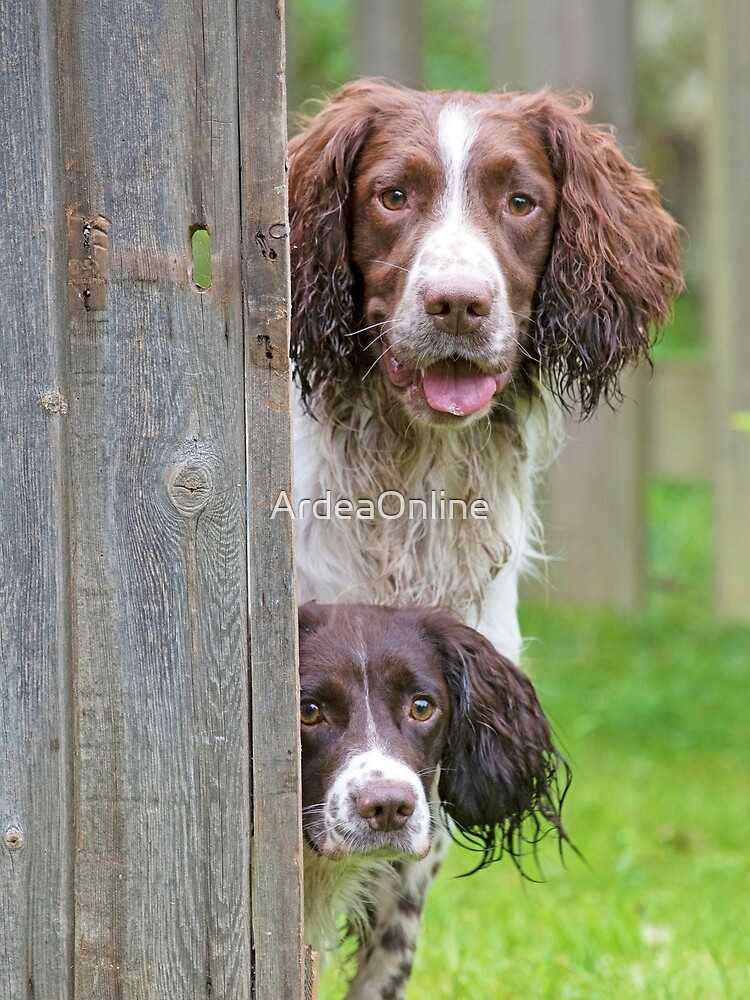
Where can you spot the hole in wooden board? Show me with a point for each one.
(200, 242)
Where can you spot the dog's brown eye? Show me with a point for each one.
(422, 709)
(394, 200)
(520, 204)
(310, 713)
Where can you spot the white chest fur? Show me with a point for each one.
(458, 556)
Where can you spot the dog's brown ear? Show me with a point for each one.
(312, 616)
(321, 161)
(502, 780)
(614, 268)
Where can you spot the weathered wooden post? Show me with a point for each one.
(728, 149)
(144, 433)
(387, 40)
(593, 506)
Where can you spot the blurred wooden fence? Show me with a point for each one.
(728, 211)
(684, 422)
(150, 839)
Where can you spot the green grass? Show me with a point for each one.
(652, 710)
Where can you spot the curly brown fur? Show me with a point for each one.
(612, 270)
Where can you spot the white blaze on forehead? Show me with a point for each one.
(456, 133)
(360, 651)
(453, 246)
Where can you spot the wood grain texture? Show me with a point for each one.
(35, 791)
(124, 569)
(149, 135)
(277, 838)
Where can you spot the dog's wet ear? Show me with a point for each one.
(321, 165)
(502, 780)
(312, 616)
(615, 264)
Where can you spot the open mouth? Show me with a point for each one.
(452, 385)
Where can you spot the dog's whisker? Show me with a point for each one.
(364, 329)
(315, 807)
(389, 263)
(379, 337)
(380, 356)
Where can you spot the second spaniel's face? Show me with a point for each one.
(451, 232)
(374, 717)
(407, 710)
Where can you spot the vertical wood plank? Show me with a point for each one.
(155, 470)
(728, 154)
(679, 438)
(35, 788)
(584, 44)
(387, 40)
(125, 732)
(277, 836)
(592, 503)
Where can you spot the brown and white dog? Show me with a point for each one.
(463, 266)
(408, 717)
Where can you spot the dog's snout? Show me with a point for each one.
(386, 805)
(458, 305)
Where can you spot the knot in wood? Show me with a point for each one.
(54, 402)
(191, 487)
(13, 837)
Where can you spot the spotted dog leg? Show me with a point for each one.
(386, 952)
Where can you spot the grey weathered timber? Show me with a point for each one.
(678, 444)
(580, 44)
(728, 154)
(277, 853)
(592, 506)
(387, 40)
(126, 737)
(36, 801)
(593, 500)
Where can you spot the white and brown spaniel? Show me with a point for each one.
(464, 266)
(408, 717)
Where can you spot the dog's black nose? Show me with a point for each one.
(386, 805)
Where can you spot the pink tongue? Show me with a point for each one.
(457, 387)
